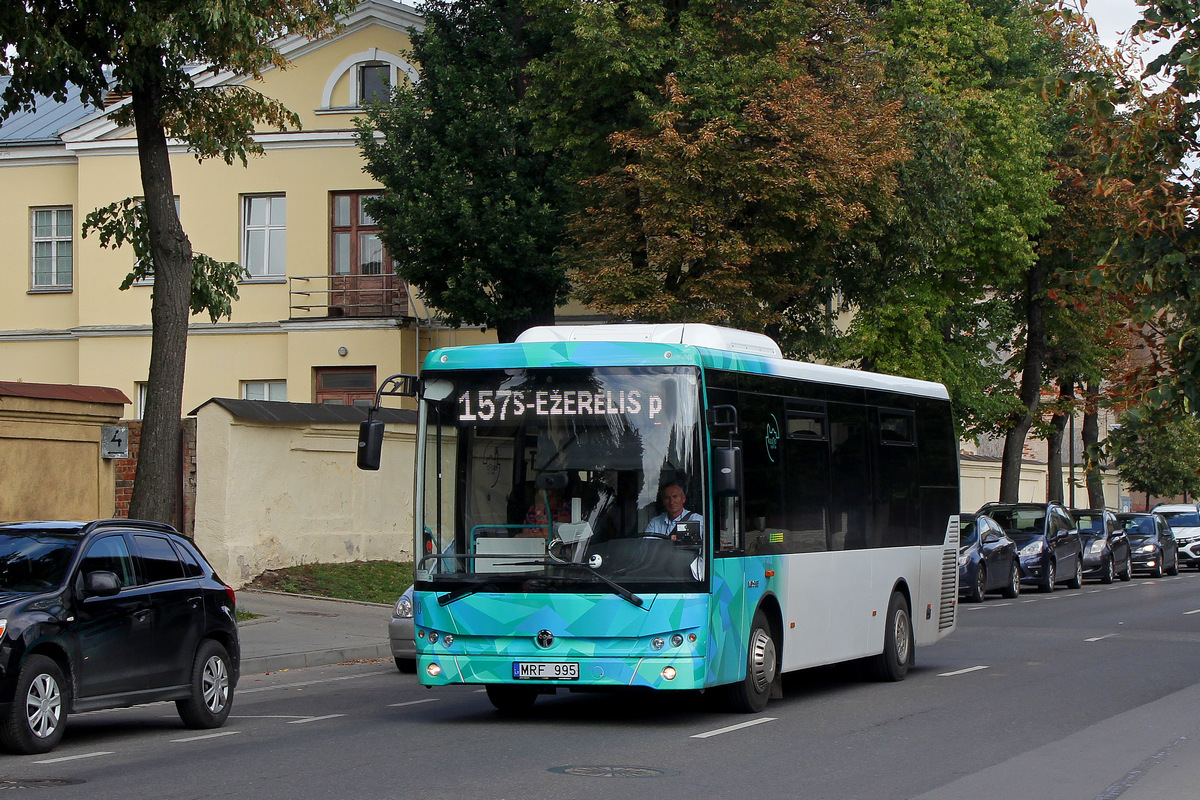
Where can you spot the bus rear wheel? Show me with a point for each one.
(511, 699)
(750, 695)
(898, 643)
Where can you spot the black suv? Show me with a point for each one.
(1048, 543)
(107, 614)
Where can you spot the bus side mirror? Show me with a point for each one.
(370, 443)
(727, 469)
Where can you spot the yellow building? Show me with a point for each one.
(322, 316)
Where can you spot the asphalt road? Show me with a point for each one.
(1061, 696)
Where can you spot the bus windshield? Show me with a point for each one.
(543, 480)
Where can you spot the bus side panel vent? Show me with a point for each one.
(949, 593)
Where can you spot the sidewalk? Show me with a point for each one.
(299, 631)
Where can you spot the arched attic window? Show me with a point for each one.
(362, 76)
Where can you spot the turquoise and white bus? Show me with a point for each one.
(820, 526)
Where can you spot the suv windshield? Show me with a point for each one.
(1139, 526)
(527, 469)
(1182, 519)
(34, 561)
(1090, 523)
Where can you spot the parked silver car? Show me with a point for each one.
(401, 633)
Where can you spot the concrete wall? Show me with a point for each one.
(50, 464)
(277, 494)
(979, 483)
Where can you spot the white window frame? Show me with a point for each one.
(56, 241)
(272, 260)
(274, 390)
(140, 408)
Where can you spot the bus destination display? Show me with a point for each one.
(502, 405)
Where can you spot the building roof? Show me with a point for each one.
(43, 124)
(277, 411)
(61, 391)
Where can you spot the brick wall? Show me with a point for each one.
(126, 469)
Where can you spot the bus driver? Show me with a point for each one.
(672, 499)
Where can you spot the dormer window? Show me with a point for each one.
(364, 78)
(374, 83)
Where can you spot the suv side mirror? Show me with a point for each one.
(101, 584)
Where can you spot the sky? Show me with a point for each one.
(1113, 17)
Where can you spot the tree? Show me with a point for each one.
(471, 211)
(727, 154)
(151, 50)
(1157, 453)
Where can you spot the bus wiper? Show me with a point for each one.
(464, 591)
(617, 588)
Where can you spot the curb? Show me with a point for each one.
(313, 597)
(317, 658)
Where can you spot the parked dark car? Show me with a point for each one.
(1047, 542)
(1106, 552)
(1152, 543)
(107, 614)
(1184, 520)
(987, 559)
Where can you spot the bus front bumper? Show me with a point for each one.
(665, 672)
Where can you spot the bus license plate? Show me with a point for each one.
(546, 670)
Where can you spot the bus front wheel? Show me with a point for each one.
(750, 695)
(509, 699)
(898, 643)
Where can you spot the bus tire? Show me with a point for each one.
(898, 642)
(510, 699)
(750, 695)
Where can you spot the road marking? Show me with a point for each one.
(1189, 613)
(74, 758)
(732, 728)
(207, 736)
(1095, 591)
(300, 684)
(1000, 605)
(314, 719)
(1031, 601)
(961, 671)
(1098, 638)
(413, 703)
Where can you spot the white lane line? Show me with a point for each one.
(961, 671)
(1000, 605)
(413, 703)
(732, 728)
(1099, 638)
(314, 719)
(300, 684)
(1030, 601)
(73, 758)
(207, 736)
(268, 716)
(1095, 591)
(1189, 613)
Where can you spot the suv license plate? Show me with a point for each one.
(545, 670)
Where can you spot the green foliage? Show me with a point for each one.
(472, 213)
(1158, 452)
(214, 283)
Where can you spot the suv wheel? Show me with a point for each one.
(1048, 583)
(38, 714)
(211, 695)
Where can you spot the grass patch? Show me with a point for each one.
(368, 581)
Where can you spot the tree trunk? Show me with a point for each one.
(1054, 445)
(155, 485)
(1031, 387)
(1091, 440)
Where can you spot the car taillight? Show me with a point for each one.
(232, 598)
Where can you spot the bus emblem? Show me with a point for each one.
(545, 638)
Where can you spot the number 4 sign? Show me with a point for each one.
(114, 441)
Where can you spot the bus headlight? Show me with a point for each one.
(668, 673)
(676, 640)
(433, 670)
(657, 643)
